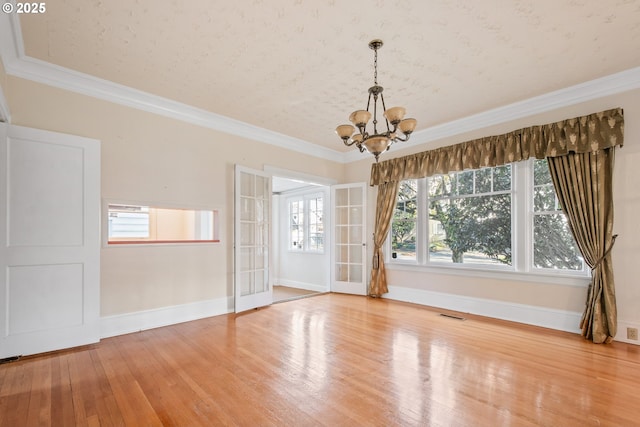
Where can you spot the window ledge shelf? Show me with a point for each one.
(557, 278)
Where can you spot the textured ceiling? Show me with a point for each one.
(299, 67)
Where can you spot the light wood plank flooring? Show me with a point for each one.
(285, 293)
(331, 360)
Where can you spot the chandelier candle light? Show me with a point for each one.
(379, 141)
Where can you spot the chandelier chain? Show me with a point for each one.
(375, 67)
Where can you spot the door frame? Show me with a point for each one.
(327, 183)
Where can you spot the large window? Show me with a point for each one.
(506, 217)
(306, 225)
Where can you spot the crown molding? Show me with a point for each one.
(16, 63)
(8, 51)
(609, 85)
(42, 72)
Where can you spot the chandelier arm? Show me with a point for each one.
(395, 128)
(362, 131)
(349, 144)
(406, 138)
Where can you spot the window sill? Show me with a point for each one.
(124, 243)
(557, 278)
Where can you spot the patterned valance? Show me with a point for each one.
(594, 132)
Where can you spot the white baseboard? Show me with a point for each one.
(622, 331)
(532, 315)
(302, 285)
(120, 324)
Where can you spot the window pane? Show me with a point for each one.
(544, 194)
(355, 196)
(544, 198)
(403, 227)
(541, 174)
(436, 186)
(296, 224)
(316, 229)
(471, 230)
(484, 180)
(465, 182)
(502, 178)
(128, 221)
(553, 244)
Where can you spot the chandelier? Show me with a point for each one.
(379, 141)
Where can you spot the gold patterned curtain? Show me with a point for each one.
(594, 133)
(583, 183)
(385, 205)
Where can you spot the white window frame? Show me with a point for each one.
(306, 200)
(522, 220)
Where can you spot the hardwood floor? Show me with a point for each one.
(285, 293)
(331, 360)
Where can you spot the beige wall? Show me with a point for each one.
(152, 159)
(149, 158)
(626, 252)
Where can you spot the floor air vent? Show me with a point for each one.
(451, 316)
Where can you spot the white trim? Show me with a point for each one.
(5, 114)
(532, 315)
(127, 323)
(302, 285)
(10, 44)
(622, 332)
(556, 278)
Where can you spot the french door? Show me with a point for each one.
(349, 239)
(252, 239)
(49, 241)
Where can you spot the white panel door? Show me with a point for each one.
(49, 241)
(349, 239)
(252, 239)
